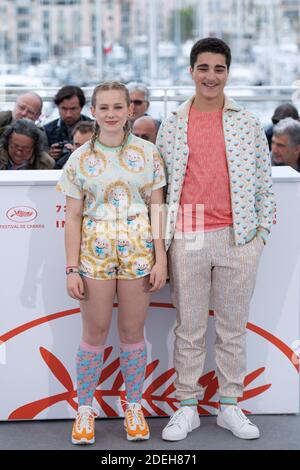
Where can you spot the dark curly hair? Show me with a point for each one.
(214, 45)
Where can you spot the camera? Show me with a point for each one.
(63, 155)
(62, 144)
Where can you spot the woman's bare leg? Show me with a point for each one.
(96, 310)
(134, 299)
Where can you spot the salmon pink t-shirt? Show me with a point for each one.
(206, 182)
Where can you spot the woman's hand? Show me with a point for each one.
(75, 286)
(158, 276)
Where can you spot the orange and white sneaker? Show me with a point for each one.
(135, 424)
(84, 426)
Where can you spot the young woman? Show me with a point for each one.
(111, 182)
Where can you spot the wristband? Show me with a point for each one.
(71, 270)
(71, 266)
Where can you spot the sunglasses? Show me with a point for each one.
(137, 102)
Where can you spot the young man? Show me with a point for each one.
(217, 158)
(70, 100)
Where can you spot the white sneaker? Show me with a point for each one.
(233, 419)
(182, 422)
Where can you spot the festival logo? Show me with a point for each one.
(21, 214)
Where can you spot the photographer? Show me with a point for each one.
(70, 100)
(82, 132)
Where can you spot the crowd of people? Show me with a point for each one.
(57, 139)
(212, 153)
(50, 146)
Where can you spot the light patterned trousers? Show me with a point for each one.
(225, 274)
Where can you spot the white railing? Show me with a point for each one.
(271, 96)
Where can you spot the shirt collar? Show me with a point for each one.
(229, 105)
(20, 167)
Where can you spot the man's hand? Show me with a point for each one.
(70, 147)
(55, 151)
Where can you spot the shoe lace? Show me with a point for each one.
(85, 418)
(177, 418)
(242, 416)
(134, 413)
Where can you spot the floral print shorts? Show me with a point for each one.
(120, 249)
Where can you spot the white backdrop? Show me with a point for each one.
(40, 325)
